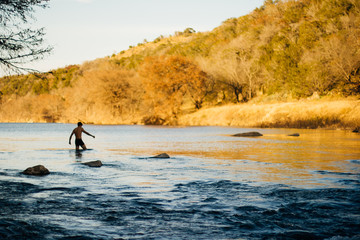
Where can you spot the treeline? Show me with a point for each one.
(283, 50)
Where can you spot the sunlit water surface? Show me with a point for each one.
(214, 186)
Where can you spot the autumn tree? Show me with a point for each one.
(19, 43)
(106, 94)
(198, 86)
(167, 80)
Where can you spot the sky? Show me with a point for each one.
(83, 30)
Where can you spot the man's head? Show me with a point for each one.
(79, 124)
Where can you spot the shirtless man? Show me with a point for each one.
(78, 141)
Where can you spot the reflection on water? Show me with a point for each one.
(275, 157)
(214, 186)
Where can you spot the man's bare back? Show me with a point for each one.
(77, 131)
(78, 140)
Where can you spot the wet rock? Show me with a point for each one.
(162, 155)
(96, 163)
(294, 135)
(38, 170)
(248, 134)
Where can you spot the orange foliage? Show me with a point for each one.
(168, 79)
(106, 94)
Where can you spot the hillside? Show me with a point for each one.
(284, 51)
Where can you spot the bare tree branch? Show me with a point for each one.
(19, 43)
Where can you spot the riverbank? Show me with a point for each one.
(334, 114)
(320, 113)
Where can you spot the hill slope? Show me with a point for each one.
(285, 50)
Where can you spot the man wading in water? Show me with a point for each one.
(78, 141)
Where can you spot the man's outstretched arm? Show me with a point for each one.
(88, 133)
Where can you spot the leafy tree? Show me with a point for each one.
(19, 43)
(164, 86)
(167, 79)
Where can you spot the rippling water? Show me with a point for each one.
(214, 186)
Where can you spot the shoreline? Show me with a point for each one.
(303, 114)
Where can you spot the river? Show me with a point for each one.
(213, 186)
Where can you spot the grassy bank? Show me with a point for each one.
(342, 114)
(333, 114)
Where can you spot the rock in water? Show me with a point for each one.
(96, 163)
(248, 134)
(162, 155)
(294, 135)
(38, 170)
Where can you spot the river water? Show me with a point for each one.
(214, 186)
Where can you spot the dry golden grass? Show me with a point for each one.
(328, 113)
(344, 114)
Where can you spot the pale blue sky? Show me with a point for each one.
(81, 30)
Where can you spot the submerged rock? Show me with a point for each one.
(162, 155)
(38, 170)
(96, 163)
(248, 134)
(294, 135)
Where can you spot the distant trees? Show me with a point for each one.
(39, 83)
(186, 32)
(314, 50)
(19, 43)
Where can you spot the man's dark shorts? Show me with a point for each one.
(79, 142)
